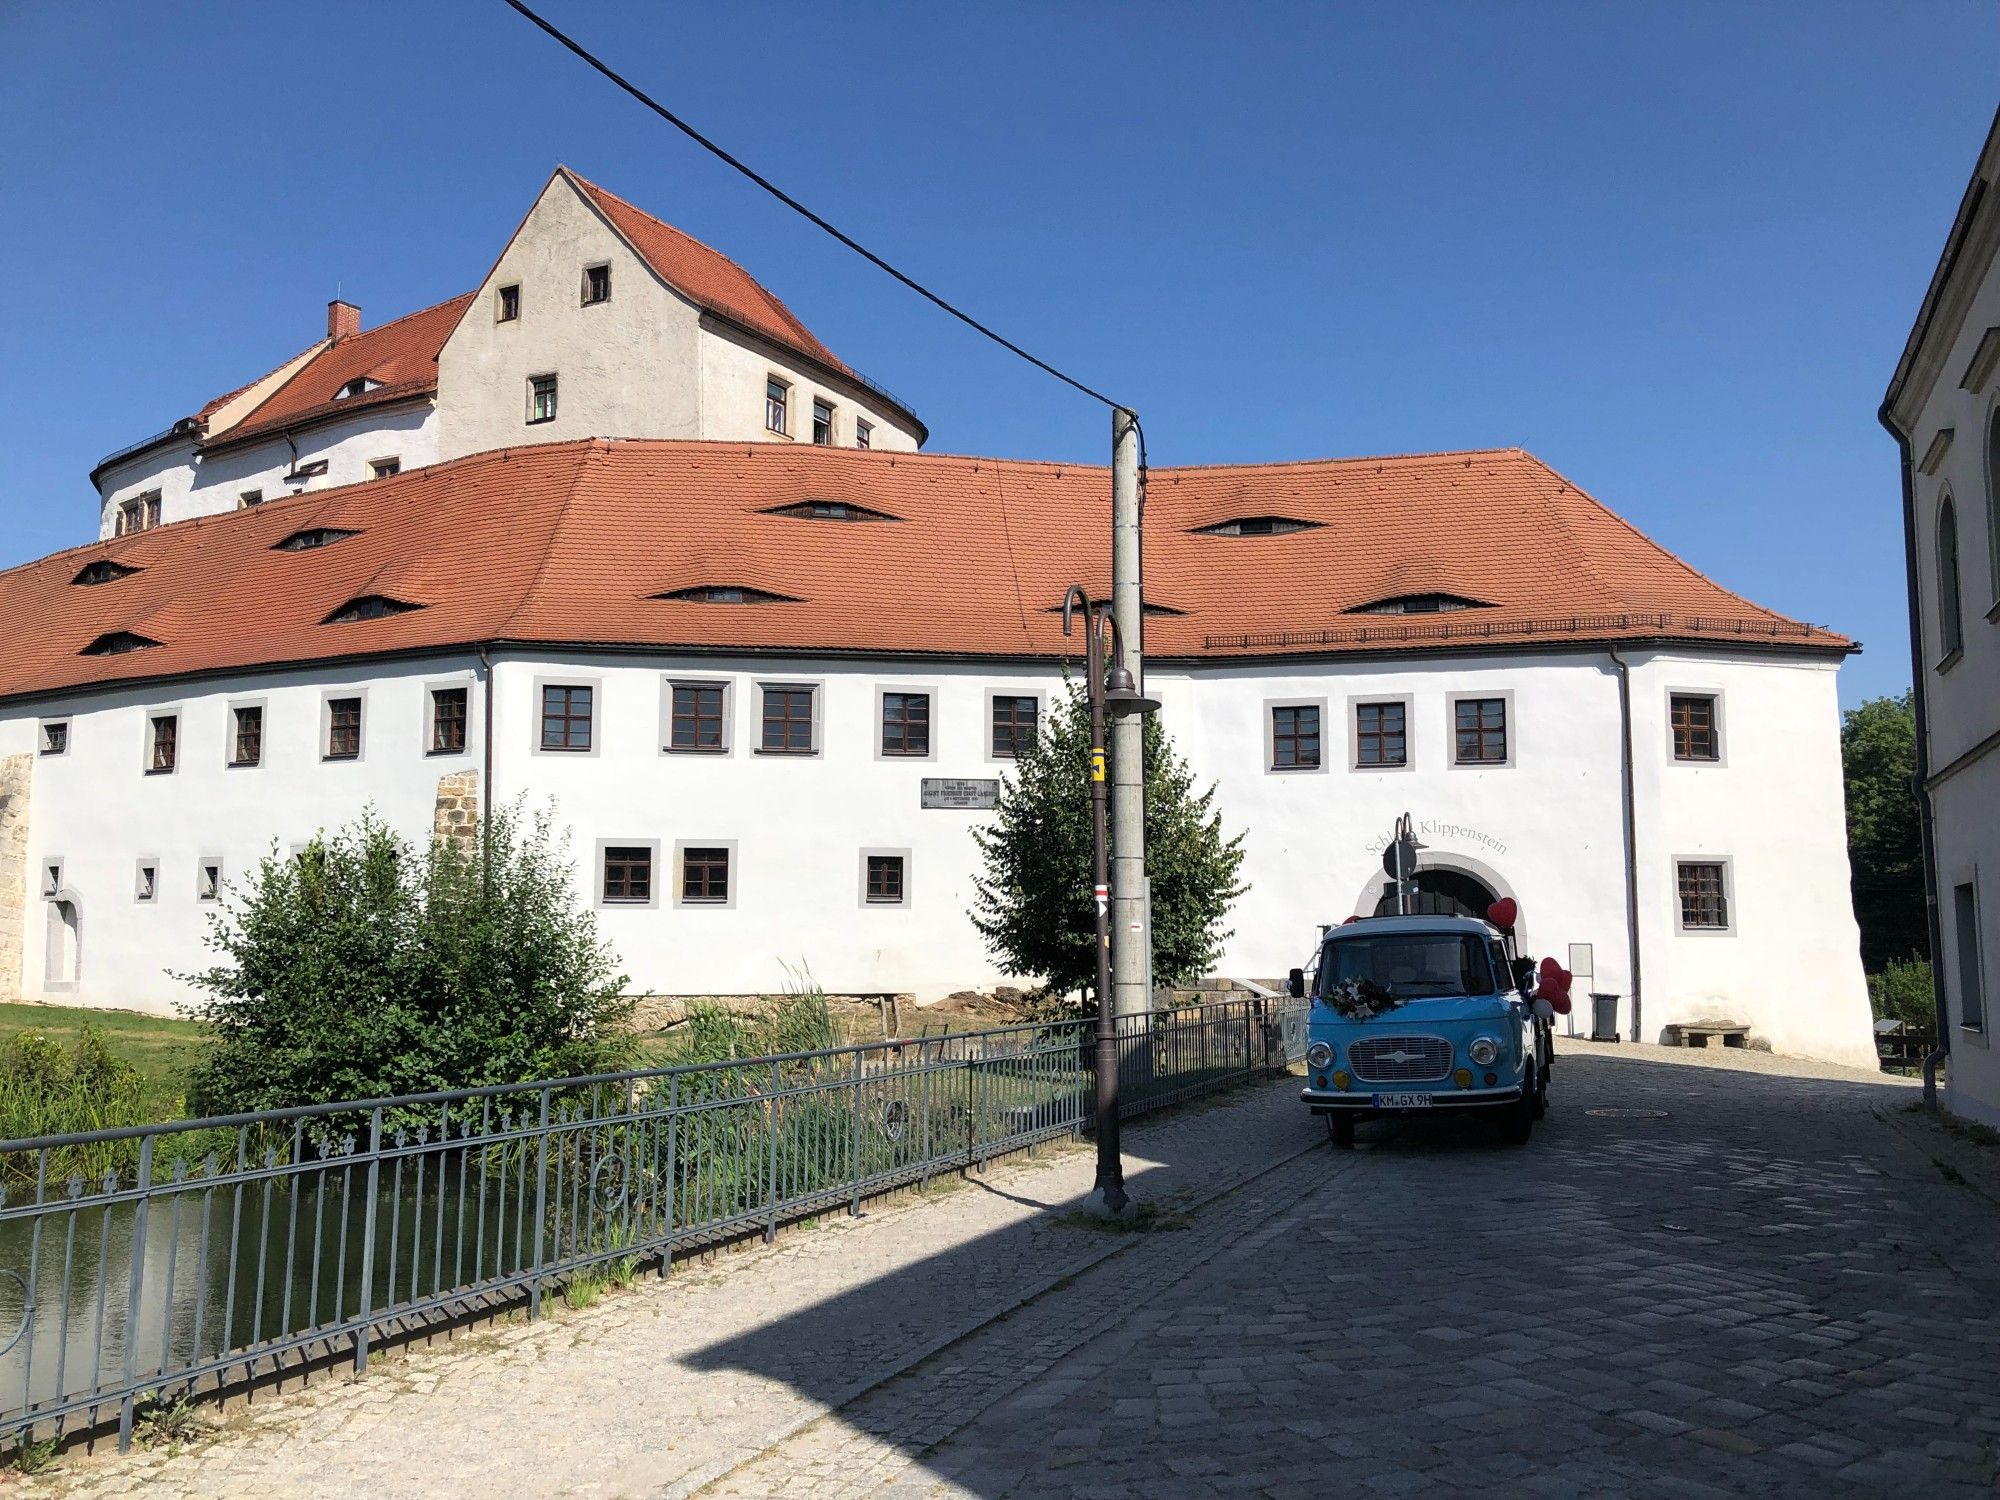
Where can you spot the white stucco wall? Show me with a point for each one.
(1546, 828)
(625, 367)
(209, 484)
(735, 369)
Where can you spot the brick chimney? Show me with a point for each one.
(343, 319)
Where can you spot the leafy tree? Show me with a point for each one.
(362, 967)
(1903, 992)
(1033, 905)
(1878, 752)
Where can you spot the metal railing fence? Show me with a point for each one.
(165, 1260)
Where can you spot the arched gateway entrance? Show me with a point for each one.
(1442, 893)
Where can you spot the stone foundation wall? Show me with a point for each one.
(457, 815)
(16, 773)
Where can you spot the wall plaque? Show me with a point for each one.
(970, 793)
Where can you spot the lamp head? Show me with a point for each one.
(1121, 698)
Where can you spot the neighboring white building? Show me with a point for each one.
(1943, 407)
(598, 320)
(734, 670)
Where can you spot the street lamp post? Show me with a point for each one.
(1109, 691)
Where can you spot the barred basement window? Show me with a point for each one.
(247, 746)
(1380, 735)
(628, 873)
(1692, 717)
(906, 724)
(447, 720)
(1704, 896)
(1295, 738)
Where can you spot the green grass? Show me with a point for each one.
(160, 1047)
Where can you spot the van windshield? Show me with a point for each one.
(1409, 964)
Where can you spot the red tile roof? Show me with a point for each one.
(566, 543)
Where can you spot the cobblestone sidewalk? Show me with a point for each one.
(631, 1397)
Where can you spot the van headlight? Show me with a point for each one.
(1319, 1055)
(1483, 1051)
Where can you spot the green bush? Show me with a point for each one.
(1903, 992)
(362, 967)
(46, 1090)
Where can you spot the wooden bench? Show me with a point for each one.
(1698, 1033)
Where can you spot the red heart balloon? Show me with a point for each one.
(1559, 1003)
(1502, 913)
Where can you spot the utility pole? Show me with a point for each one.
(1129, 961)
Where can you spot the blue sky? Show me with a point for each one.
(1673, 250)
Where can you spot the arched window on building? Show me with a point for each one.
(1951, 630)
(1993, 499)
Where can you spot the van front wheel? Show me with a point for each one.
(1517, 1120)
(1340, 1130)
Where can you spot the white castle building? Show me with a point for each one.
(615, 531)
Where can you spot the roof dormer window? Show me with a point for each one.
(726, 593)
(1418, 604)
(360, 385)
(369, 607)
(312, 537)
(830, 510)
(1256, 526)
(104, 570)
(117, 643)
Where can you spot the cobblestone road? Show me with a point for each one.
(1766, 1288)
(1763, 1290)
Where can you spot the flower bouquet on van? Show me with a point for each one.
(1360, 999)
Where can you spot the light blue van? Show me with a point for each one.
(1413, 1015)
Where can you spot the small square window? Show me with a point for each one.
(249, 499)
(1704, 896)
(1481, 728)
(507, 306)
(208, 880)
(1295, 737)
(823, 423)
(705, 876)
(596, 285)
(1014, 721)
(447, 720)
(906, 724)
(163, 743)
(788, 721)
(1380, 735)
(884, 880)
(246, 746)
(148, 886)
(566, 717)
(1693, 722)
(343, 729)
(696, 718)
(628, 874)
(52, 877)
(541, 398)
(384, 468)
(777, 398)
(864, 433)
(55, 736)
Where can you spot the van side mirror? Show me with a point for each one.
(1524, 974)
(1295, 984)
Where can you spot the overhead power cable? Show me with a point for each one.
(799, 208)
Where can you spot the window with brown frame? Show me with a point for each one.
(628, 873)
(705, 875)
(596, 285)
(447, 720)
(343, 729)
(1704, 895)
(906, 723)
(509, 305)
(150, 502)
(1481, 724)
(788, 720)
(1693, 719)
(565, 717)
(864, 433)
(777, 399)
(885, 880)
(384, 468)
(1014, 724)
(1381, 735)
(541, 399)
(1295, 737)
(208, 881)
(823, 423)
(246, 746)
(695, 722)
(166, 735)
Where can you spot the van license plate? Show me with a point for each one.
(1402, 1101)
